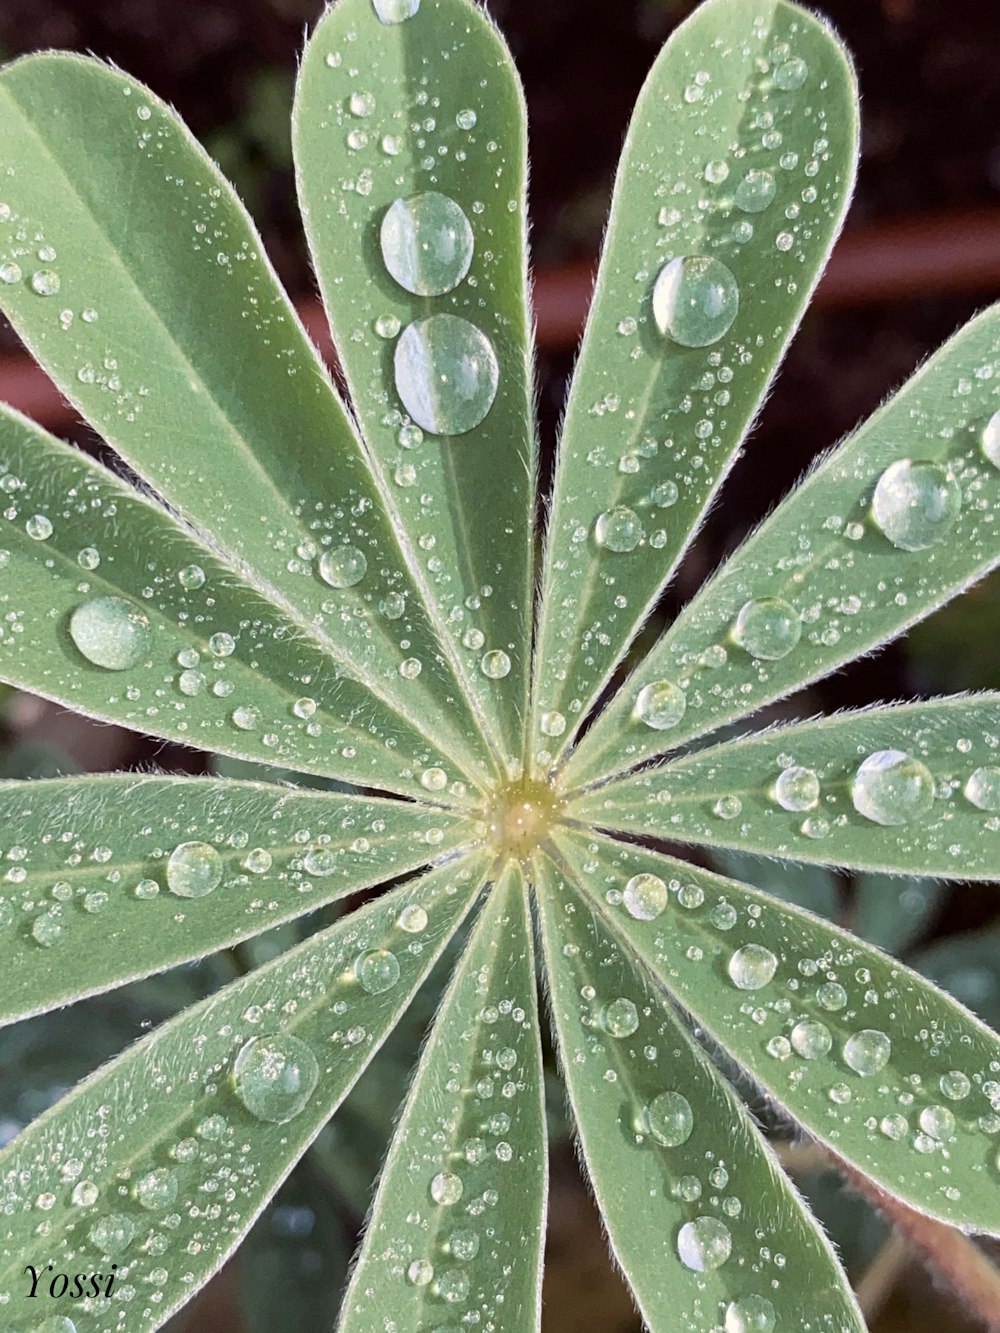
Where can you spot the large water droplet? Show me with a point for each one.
(916, 504)
(446, 1188)
(645, 897)
(668, 1119)
(983, 789)
(377, 970)
(446, 374)
(342, 566)
(110, 632)
(495, 664)
(755, 191)
(661, 705)
(892, 788)
(427, 243)
(750, 1314)
(194, 869)
(791, 75)
(767, 628)
(990, 439)
(797, 789)
(867, 1051)
(695, 300)
(752, 967)
(274, 1077)
(113, 1233)
(620, 1018)
(938, 1122)
(619, 529)
(811, 1039)
(156, 1189)
(395, 11)
(704, 1244)
(45, 282)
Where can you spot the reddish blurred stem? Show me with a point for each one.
(942, 254)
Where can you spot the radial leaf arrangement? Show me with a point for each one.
(356, 593)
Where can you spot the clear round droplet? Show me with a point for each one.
(955, 1085)
(433, 779)
(831, 996)
(755, 191)
(45, 282)
(767, 628)
(797, 789)
(645, 897)
(791, 75)
(695, 300)
(377, 970)
(412, 919)
(916, 504)
(620, 1018)
(194, 869)
(867, 1051)
(704, 1244)
(495, 664)
(447, 374)
(191, 577)
(274, 1077)
(113, 1233)
(983, 789)
(660, 705)
(156, 1189)
(427, 243)
(552, 724)
(811, 1039)
(752, 967)
(619, 530)
(446, 1188)
(750, 1314)
(342, 566)
(938, 1122)
(110, 632)
(892, 788)
(668, 1119)
(395, 11)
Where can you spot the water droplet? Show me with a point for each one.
(446, 374)
(466, 119)
(45, 282)
(113, 1233)
(955, 1085)
(704, 1244)
(222, 645)
(728, 807)
(10, 273)
(752, 967)
(412, 919)
(395, 11)
(755, 191)
(938, 1122)
(990, 439)
(246, 718)
(645, 897)
(716, 171)
(750, 1314)
(495, 664)
(427, 243)
(831, 996)
(620, 1018)
(797, 789)
(191, 577)
(619, 529)
(420, 1272)
(867, 1051)
(110, 632)
(387, 326)
(767, 628)
(320, 861)
(274, 1077)
(377, 971)
(811, 1039)
(661, 705)
(156, 1189)
(891, 788)
(194, 869)
(361, 104)
(433, 779)
(983, 789)
(668, 1119)
(89, 558)
(446, 1188)
(916, 504)
(38, 528)
(342, 566)
(695, 300)
(463, 1244)
(894, 1127)
(85, 1194)
(46, 930)
(552, 724)
(791, 75)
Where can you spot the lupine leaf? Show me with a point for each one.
(459, 1219)
(115, 877)
(176, 643)
(166, 1136)
(681, 1176)
(741, 152)
(844, 585)
(912, 789)
(145, 293)
(411, 150)
(869, 1057)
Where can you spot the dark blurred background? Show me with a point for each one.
(920, 254)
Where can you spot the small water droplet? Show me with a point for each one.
(85, 1194)
(412, 919)
(645, 897)
(755, 191)
(361, 104)
(728, 807)
(495, 664)
(420, 1272)
(767, 628)
(983, 789)
(466, 119)
(990, 438)
(45, 282)
(246, 718)
(446, 374)
(620, 1018)
(89, 558)
(377, 971)
(704, 1244)
(274, 1077)
(387, 326)
(446, 1188)
(156, 1189)
(194, 869)
(619, 530)
(38, 528)
(752, 967)
(113, 1233)
(811, 1039)
(110, 632)
(191, 577)
(342, 566)
(892, 788)
(433, 779)
(695, 300)
(867, 1051)
(916, 504)
(938, 1122)
(791, 75)
(552, 724)
(955, 1085)
(668, 1119)
(427, 243)
(10, 273)
(661, 705)
(797, 789)
(831, 996)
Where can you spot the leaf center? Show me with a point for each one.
(521, 816)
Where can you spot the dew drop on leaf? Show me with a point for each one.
(791, 75)
(797, 789)
(938, 1122)
(274, 1077)
(955, 1085)
(767, 628)
(194, 869)
(619, 530)
(661, 705)
(495, 664)
(552, 724)
(10, 273)
(463, 1244)
(191, 577)
(342, 566)
(892, 788)
(990, 439)
(156, 1189)
(111, 632)
(867, 1051)
(85, 1194)
(427, 243)
(831, 996)
(695, 300)
(750, 1314)
(811, 1039)
(395, 11)
(446, 374)
(113, 1233)
(752, 967)
(645, 897)
(916, 504)
(755, 191)
(983, 789)
(420, 1272)
(668, 1119)
(620, 1018)
(446, 1188)
(412, 919)
(45, 282)
(433, 779)
(704, 1244)
(377, 970)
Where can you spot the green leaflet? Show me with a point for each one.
(411, 148)
(209, 661)
(99, 889)
(682, 1178)
(459, 1219)
(163, 1137)
(165, 325)
(868, 1056)
(741, 153)
(844, 586)
(912, 789)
